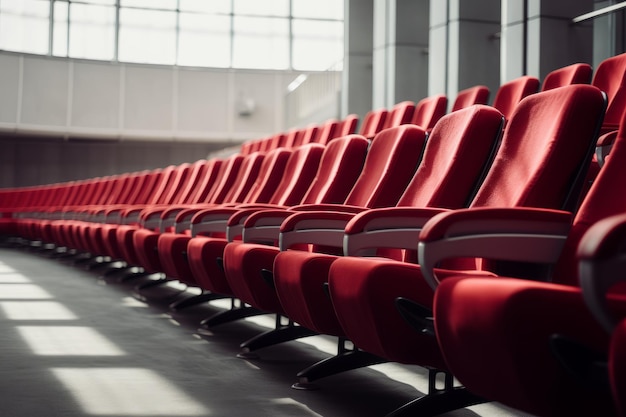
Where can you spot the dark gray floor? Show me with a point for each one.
(74, 345)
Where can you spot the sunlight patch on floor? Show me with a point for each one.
(36, 310)
(5, 269)
(13, 278)
(22, 292)
(126, 392)
(67, 340)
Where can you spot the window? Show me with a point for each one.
(60, 33)
(261, 8)
(204, 40)
(150, 4)
(92, 31)
(261, 42)
(317, 44)
(24, 25)
(147, 36)
(318, 9)
(265, 34)
(204, 6)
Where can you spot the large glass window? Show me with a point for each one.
(267, 34)
(317, 44)
(61, 25)
(320, 9)
(261, 42)
(204, 40)
(261, 7)
(147, 36)
(92, 31)
(24, 25)
(150, 4)
(204, 6)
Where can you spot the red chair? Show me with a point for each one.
(327, 132)
(125, 221)
(373, 122)
(175, 250)
(400, 114)
(338, 169)
(348, 125)
(156, 221)
(444, 178)
(390, 164)
(306, 135)
(571, 74)
(610, 77)
(536, 166)
(527, 328)
(429, 110)
(601, 270)
(511, 93)
(474, 95)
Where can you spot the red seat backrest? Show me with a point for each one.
(551, 137)
(610, 77)
(400, 114)
(206, 177)
(224, 180)
(327, 132)
(389, 167)
(298, 175)
(348, 125)
(373, 122)
(512, 92)
(474, 95)
(341, 165)
(458, 151)
(601, 201)
(429, 110)
(571, 74)
(270, 175)
(246, 176)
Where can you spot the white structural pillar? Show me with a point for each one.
(356, 95)
(464, 46)
(400, 67)
(538, 36)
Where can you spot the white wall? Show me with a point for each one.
(91, 99)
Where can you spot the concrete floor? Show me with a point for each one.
(74, 344)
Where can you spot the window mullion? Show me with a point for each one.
(50, 27)
(116, 47)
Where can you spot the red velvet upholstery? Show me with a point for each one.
(145, 239)
(123, 233)
(387, 169)
(255, 183)
(571, 74)
(516, 318)
(400, 114)
(444, 178)
(610, 77)
(474, 95)
(373, 122)
(429, 110)
(338, 170)
(327, 132)
(348, 125)
(511, 93)
(297, 178)
(546, 141)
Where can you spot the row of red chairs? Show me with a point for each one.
(326, 235)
